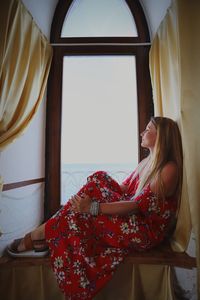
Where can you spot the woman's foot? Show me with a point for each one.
(28, 247)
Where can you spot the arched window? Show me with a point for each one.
(99, 91)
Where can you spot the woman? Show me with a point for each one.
(92, 234)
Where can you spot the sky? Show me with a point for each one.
(99, 110)
(108, 18)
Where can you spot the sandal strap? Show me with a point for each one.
(15, 244)
(39, 242)
(40, 245)
(29, 245)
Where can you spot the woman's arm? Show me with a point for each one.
(82, 204)
(118, 208)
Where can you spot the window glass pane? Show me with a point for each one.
(99, 118)
(90, 18)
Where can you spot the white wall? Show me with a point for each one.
(42, 12)
(155, 11)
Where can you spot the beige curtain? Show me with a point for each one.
(29, 282)
(175, 72)
(25, 57)
(139, 282)
(37, 282)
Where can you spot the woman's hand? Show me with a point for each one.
(81, 204)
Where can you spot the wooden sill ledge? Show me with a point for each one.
(162, 255)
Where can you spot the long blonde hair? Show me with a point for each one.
(168, 147)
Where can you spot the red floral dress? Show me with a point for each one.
(86, 250)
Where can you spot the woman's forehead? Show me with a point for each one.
(151, 125)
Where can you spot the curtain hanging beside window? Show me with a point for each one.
(175, 73)
(25, 58)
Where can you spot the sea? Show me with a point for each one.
(74, 176)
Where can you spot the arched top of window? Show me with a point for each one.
(103, 21)
(93, 18)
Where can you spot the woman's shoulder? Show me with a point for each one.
(170, 170)
(169, 178)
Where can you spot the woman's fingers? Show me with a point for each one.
(80, 203)
(73, 197)
(75, 202)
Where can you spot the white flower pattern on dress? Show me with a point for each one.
(61, 276)
(135, 228)
(84, 281)
(125, 228)
(166, 214)
(105, 192)
(73, 226)
(58, 263)
(136, 240)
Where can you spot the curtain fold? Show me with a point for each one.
(127, 284)
(29, 282)
(25, 58)
(146, 282)
(175, 73)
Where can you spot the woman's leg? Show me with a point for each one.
(99, 185)
(37, 234)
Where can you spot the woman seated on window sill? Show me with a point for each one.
(93, 233)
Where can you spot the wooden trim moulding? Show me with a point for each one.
(15, 185)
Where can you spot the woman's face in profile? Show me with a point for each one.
(149, 136)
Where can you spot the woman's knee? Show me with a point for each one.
(97, 175)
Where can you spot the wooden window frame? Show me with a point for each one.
(138, 46)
